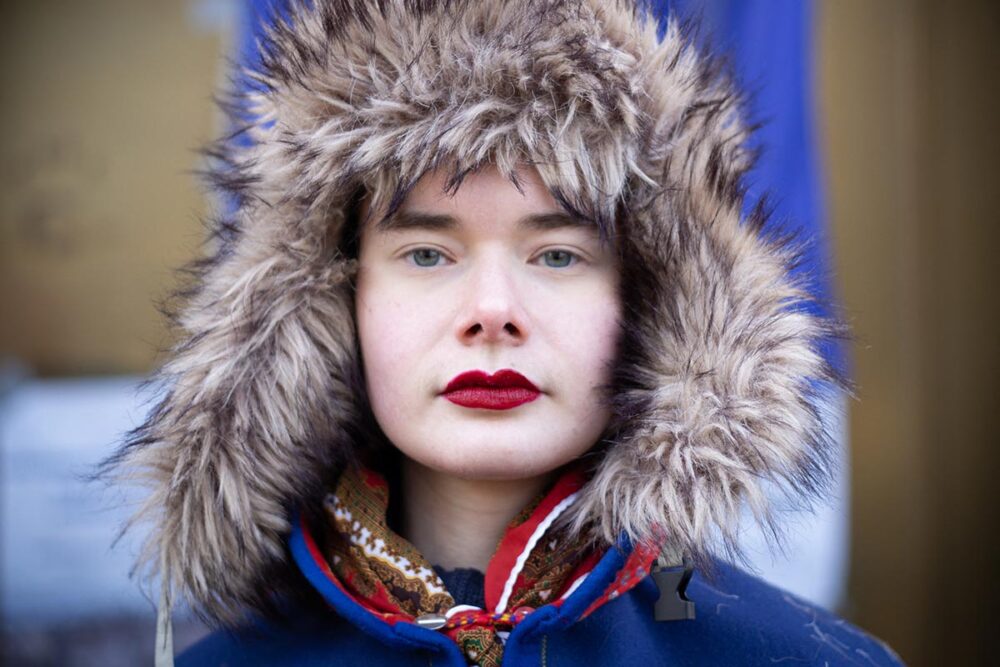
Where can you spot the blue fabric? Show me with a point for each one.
(740, 621)
(306, 643)
(401, 636)
(466, 585)
(255, 16)
(769, 46)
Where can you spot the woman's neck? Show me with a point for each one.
(457, 522)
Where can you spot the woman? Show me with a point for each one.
(486, 361)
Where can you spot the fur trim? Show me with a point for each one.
(715, 388)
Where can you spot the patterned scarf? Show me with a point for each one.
(531, 567)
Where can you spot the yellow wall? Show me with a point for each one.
(909, 99)
(104, 104)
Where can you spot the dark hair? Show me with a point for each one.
(349, 243)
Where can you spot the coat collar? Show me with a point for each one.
(600, 579)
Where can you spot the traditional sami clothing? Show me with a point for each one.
(544, 604)
(716, 394)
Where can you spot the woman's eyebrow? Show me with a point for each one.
(553, 220)
(404, 220)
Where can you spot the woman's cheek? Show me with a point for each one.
(393, 339)
(593, 345)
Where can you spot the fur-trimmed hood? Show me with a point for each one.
(718, 380)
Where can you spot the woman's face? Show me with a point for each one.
(488, 279)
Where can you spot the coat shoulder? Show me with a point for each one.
(739, 619)
(782, 624)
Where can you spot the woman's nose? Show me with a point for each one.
(493, 312)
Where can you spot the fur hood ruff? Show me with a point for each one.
(719, 375)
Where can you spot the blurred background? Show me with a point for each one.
(106, 103)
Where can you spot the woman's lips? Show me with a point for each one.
(503, 390)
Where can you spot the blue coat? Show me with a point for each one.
(740, 620)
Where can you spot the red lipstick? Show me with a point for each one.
(503, 390)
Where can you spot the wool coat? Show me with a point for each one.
(716, 387)
(738, 620)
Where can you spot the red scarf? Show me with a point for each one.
(533, 565)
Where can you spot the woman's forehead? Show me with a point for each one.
(521, 200)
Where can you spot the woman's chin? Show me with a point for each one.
(493, 453)
(528, 441)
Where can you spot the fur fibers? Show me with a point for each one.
(715, 390)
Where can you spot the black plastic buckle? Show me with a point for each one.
(673, 604)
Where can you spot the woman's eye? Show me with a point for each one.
(559, 259)
(425, 257)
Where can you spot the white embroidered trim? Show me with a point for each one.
(375, 548)
(508, 587)
(575, 585)
(461, 607)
